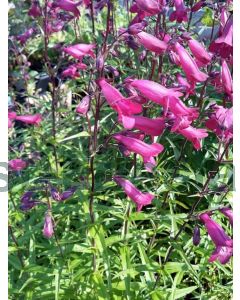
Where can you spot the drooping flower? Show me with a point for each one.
(27, 202)
(22, 38)
(180, 12)
(227, 211)
(193, 135)
(148, 152)
(221, 122)
(117, 101)
(68, 193)
(198, 5)
(17, 164)
(11, 116)
(48, 228)
(30, 119)
(83, 106)
(223, 45)
(35, 9)
(139, 198)
(152, 7)
(67, 5)
(199, 52)
(168, 98)
(222, 241)
(189, 66)
(78, 51)
(71, 72)
(151, 43)
(187, 87)
(227, 79)
(153, 127)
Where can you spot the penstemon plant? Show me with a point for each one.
(134, 125)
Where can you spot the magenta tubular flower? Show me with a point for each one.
(71, 72)
(117, 101)
(198, 5)
(199, 52)
(221, 122)
(168, 98)
(80, 50)
(151, 43)
(180, 123)
(194, 135)
(227, 79)
(152, 7)
(188, 88)
(48, 230)
(224, 44)
(30, 119)
(11, 116)
(180, 13)
(223, 20)
(137, 146)
(22, 38)
(83, 106)
(227, 211)
(222, 241)
(68, 5)
(153, 127)
(26, 201)
(68, 193)
(35, 9)
(139, 198)
(137, 27)
(189, 66)
(17, 164)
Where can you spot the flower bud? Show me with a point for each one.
(100, 62)
(196, 236)
(48, 230)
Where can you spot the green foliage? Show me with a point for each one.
(130, 248)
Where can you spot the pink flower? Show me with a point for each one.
(30, 119)
(168, 98)
(199, 52)
(221, 122)
(223, 242)
(71, 72)
(228, 213)
(193, 135)
(224, 44)
(48, 230)
(227, 79)
(189, 66)
(11, 116)
(153, 127)
(17, 164)
(35, 9)
(80, 50)
(152, 7)
(68, 5)
(189, 88)
(83, 106)
(151, 43)
(137, 146)
(22, 38)
(180, 13)
(198, 5)
(117, 101)
(139, 198)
